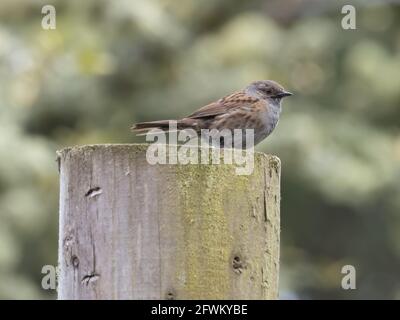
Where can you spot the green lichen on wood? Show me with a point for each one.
(207, 240)
(208, 248)
(135, 148)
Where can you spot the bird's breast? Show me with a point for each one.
(269, 117)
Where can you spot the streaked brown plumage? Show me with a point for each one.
(257, 107)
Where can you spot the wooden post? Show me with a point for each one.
(131, 230)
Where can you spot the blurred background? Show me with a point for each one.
(109, 64)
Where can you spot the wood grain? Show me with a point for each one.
(130, 230)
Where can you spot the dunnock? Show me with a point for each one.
(256, 107)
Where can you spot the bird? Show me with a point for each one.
(257, 107)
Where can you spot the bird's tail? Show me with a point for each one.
(142, 128)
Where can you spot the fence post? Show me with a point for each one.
(131, 230)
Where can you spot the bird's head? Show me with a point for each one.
(268, 89)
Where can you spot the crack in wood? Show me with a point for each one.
(90, 278)
(93, 192)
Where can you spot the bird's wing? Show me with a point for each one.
(224, 105)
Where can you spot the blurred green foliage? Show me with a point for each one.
(111, 63)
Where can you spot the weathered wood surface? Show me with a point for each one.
(130, 230)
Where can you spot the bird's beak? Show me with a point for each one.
(285, 94)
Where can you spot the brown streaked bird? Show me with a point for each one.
(258, 107)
